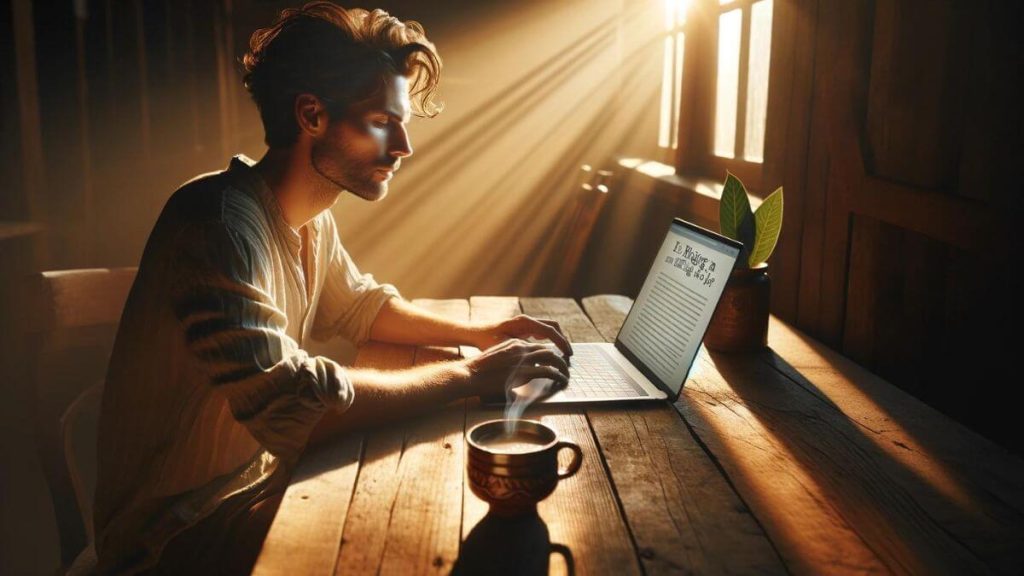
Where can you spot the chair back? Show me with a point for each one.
(71, 319)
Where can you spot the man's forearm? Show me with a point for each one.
(402, 322)
(383, 396)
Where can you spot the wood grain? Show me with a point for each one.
(788, 131)
(806, 469)
(368, 527)
(306, 531)
(683, 513)
(972, 487)
(785, 496)
(426, 516)
(574, 323)
(607, 312)
(920, 491)
(322, 517)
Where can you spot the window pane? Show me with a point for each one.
(678, 96)
(730, 26)
(664, 131)
(675, 13)
(757, 80)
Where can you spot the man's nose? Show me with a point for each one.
(400, 145)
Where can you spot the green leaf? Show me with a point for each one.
(734, 207)
(768, 225)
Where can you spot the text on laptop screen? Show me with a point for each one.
(667, 322)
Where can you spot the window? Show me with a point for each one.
(672, 72)
(717, 116)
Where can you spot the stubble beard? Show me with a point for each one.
(339, 177)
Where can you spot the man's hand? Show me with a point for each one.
(512, 363)
(486, 335)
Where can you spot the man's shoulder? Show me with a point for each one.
(215, 198)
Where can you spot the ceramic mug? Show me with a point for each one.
(512, 472)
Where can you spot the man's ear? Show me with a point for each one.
(310, 114)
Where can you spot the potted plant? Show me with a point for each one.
(741, 321)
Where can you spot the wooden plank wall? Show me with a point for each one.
(910, 196)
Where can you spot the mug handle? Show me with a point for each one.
(574, 464)
(563, 551)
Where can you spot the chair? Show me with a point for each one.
(70, 320)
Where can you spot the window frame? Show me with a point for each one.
(695, 153)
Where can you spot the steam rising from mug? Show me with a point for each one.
(517, 401)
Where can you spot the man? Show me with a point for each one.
(210, 397)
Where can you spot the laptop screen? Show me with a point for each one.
(665, 326)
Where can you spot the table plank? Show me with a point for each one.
(779, 475)
(426, 517)
(394, 454)
(607, 312)
(783, 496)
(582, 514)
(681, 510)
(872, 403)
(813, 448)
(966, 484)
(364, 537)
(575, 324)
(304, 536)
(307, 529)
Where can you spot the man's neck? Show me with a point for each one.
(292, 184)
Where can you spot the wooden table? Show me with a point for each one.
(793, 460)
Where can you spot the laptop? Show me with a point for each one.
(661, 336)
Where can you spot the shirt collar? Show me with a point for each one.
(241, 166)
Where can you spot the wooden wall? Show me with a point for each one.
(913, 185)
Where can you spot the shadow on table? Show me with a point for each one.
(895, 482)
(510, 546)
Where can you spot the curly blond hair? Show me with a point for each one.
(339, 55)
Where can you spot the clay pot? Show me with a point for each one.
(740, 324)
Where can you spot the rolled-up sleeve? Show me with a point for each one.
(234, 331)
(350, 301)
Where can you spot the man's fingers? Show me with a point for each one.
(554, 334)
(547, 357)
(551, 323)
(549, 329)
(506, 344)
(531, 372)
(511, 353)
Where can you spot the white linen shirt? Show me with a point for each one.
(209, 390)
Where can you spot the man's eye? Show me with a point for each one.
(378, 123)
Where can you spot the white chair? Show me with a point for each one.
(71, 320)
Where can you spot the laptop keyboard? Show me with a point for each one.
(593, 374)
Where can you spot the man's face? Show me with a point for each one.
(361, 151)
